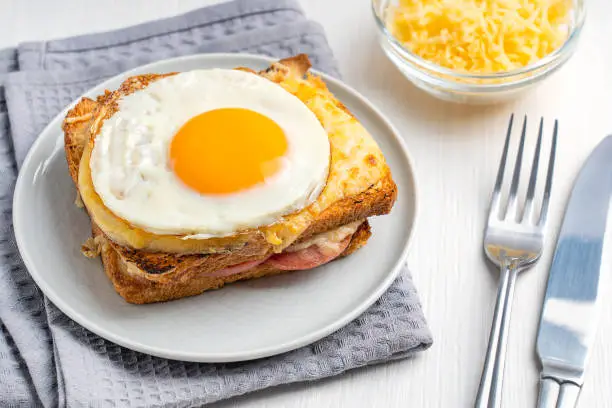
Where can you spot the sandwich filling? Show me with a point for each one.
(309, 254)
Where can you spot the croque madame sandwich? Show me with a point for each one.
(197, 179)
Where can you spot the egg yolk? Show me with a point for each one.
(227, 150)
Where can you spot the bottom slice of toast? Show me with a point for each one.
(137, 286)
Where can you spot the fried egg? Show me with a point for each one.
(207, 153)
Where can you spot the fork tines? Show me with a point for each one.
(512, 209)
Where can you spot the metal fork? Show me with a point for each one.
(513, 240)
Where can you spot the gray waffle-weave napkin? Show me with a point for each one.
(48, 360)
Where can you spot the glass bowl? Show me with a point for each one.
(455, 86)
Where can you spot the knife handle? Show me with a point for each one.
(568, 396)
(549, 393)
(553, 395)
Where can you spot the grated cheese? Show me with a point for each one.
(481, 36)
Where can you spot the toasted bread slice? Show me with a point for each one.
(358, 187)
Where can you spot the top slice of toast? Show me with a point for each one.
(376, 200)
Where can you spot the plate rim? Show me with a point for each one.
(301, 341)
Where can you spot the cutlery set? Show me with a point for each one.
(514, 240)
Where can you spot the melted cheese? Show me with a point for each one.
(481, 36)
(327, 239)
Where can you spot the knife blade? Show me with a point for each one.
(569, 316)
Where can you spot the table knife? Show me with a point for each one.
(569, 315)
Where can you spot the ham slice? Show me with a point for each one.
(308, 258)
(236, 269)
(319, 250)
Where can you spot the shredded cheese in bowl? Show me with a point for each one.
(478, 51)
(480, 36)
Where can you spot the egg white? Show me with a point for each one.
(131, 172)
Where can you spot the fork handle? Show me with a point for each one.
(489, 391)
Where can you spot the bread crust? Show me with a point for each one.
(142, 276)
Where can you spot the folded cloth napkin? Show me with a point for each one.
(48, 360)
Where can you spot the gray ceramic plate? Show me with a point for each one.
(243, 321)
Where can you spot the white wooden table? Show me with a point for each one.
(456, 150)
